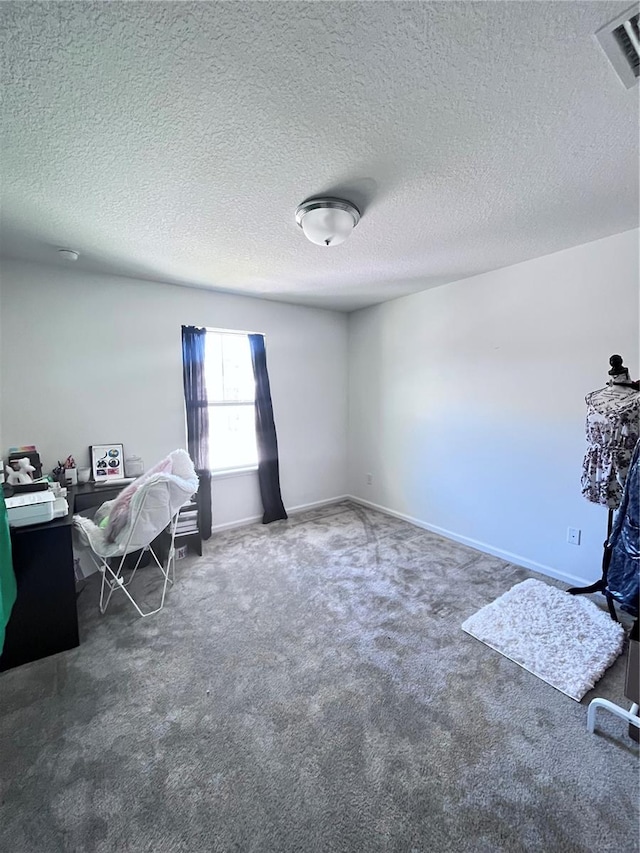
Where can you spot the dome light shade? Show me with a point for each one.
(327, 221)
(68, 254)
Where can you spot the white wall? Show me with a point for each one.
(88, 359)
(467, 401)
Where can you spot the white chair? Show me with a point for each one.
(154, 507)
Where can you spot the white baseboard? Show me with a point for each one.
(517, 559)
(253, 519)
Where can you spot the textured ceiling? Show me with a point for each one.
(173, 141)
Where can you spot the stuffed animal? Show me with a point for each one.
(23, 475)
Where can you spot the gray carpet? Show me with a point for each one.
(308, 688)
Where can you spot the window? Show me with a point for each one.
(231, 397)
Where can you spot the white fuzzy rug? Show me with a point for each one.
(566, 640)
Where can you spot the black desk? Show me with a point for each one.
(88, 495)
(44, 619)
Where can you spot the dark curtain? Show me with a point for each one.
(195, 396)
(268, 469)
(204, 502)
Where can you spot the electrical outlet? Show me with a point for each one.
(573, 536)
(369, 479)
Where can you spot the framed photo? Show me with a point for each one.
(107, 462)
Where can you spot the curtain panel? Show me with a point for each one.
(196, 404)
(267, 441)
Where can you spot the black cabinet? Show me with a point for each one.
(44, 619)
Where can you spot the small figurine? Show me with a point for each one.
(22, 476)
(70, 472)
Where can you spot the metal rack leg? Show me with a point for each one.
(601, 585)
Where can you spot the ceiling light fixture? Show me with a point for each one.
(327, 221)
(68, 254)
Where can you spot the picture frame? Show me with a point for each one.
(107, 462)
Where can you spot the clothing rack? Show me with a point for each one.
(619, 377)
(601, 585)
(612, 566)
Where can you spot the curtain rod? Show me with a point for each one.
(233, 331)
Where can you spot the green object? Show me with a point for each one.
(104, 522)
(7, 577)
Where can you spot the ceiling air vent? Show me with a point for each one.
(620, 40)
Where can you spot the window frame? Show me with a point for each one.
(221, 473)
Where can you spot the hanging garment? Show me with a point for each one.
(612, 427)
(623, 576)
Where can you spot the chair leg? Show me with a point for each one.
(135, 568)
(116, 581)
(103, 566)
(166, 571)
(631, 716)
(103, 604)
(112, 580)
